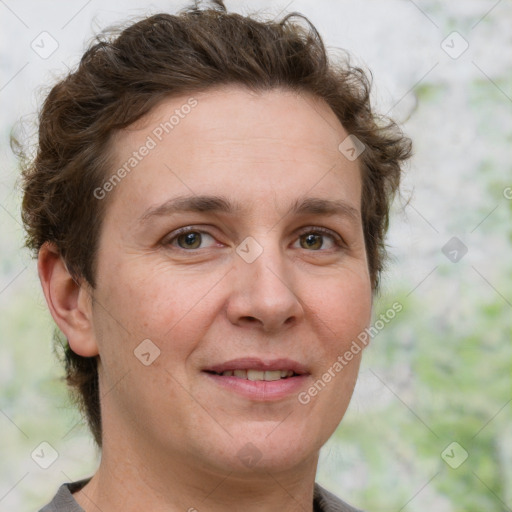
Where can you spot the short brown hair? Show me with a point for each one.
(125, 74)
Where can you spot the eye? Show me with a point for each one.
(188, 239)
(313, 239)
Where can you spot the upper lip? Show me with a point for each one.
(255, 363)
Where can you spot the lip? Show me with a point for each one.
(255, 363)
(261, 391)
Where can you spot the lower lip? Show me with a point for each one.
(261, 390)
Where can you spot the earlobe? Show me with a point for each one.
(70, 303)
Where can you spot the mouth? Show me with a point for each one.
(259, 380)
(257, 375)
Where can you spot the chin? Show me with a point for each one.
(270, 449)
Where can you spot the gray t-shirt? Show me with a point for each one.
(63, 501)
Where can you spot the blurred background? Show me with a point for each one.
(429, 427)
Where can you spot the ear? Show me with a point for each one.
(70, 303)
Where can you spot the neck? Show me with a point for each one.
(126, 480)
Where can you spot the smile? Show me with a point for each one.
(258, 379)
(254, 375)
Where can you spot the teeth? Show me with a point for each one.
(254, 375)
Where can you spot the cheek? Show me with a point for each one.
(164, 304)
(345, 306)
(343, 311)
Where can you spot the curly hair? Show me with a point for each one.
(126, 72)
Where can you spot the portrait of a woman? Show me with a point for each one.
(208, 205)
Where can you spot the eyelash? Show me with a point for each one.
(336, 239)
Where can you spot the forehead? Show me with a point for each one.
(238, 114)
(233, 139)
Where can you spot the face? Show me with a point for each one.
(231, 252)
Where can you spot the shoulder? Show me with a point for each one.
(63, 501)
(324, 501)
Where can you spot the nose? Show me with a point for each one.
(264, 293)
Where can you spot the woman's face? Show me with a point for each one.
(268, 276)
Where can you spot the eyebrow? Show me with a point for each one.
(220, 204)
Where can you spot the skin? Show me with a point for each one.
(170, 435)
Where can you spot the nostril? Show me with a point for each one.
(250, 318)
